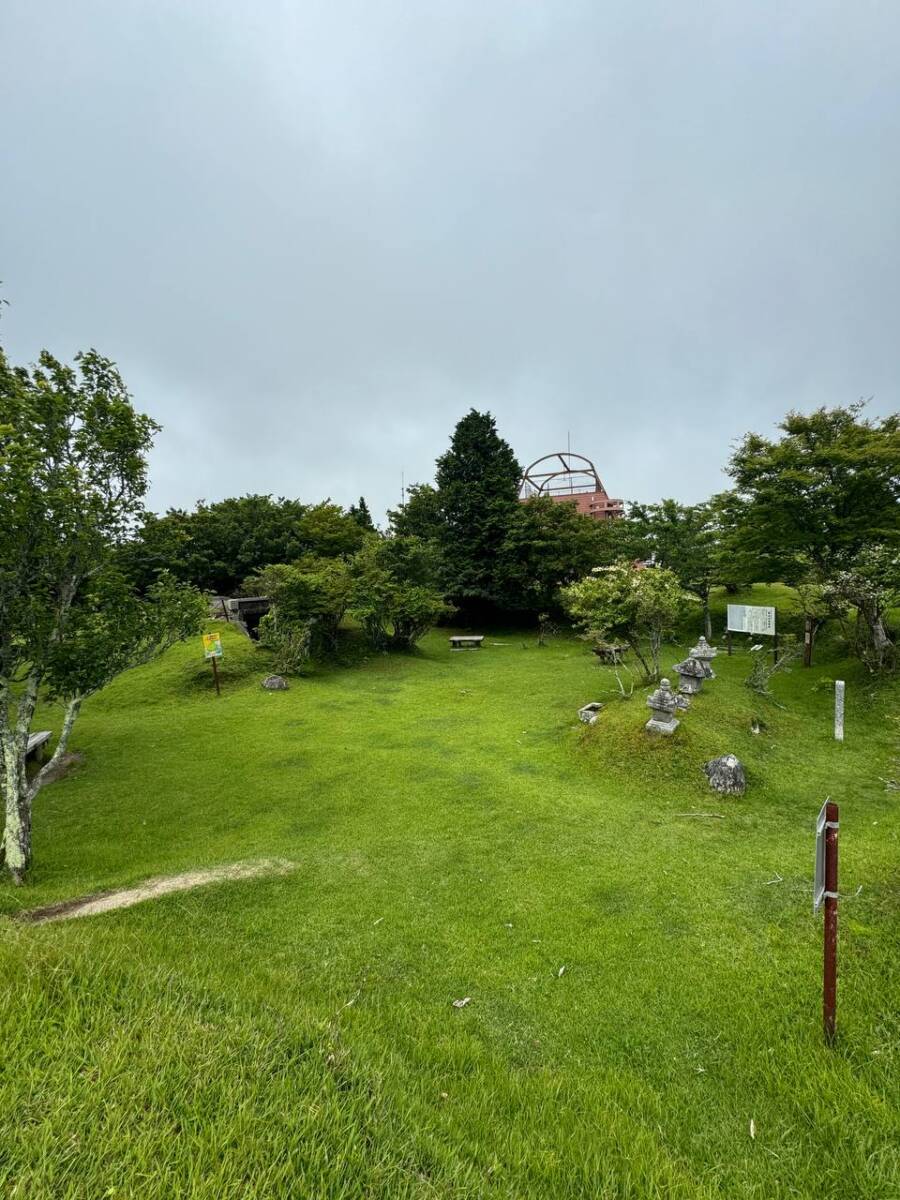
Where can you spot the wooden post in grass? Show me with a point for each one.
(212, 649)
(807, 642)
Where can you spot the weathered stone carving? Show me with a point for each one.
(691, 674)
(726, 775)
(662, 704)
(588, 712)
(705, 653)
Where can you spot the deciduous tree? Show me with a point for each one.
(546, 546)
(637, 606)
(72, 476)
(864, 591)
(684, 538)
(827, 488)
(308, 602)
(395, 597)
(217, 545)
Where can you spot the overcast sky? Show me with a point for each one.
(314, 234)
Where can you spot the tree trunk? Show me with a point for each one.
(707, 619)
(636, 647)
(655, 642)
(18, 791)
(72, 710)
(881, 643)
(15, 851)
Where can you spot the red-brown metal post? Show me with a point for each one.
(829, 977)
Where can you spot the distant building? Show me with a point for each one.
(570, 479)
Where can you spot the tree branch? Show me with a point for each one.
(72, 710)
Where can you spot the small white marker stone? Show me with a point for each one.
(839, 710)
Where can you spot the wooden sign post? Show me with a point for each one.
(825, 889)
(212, 649)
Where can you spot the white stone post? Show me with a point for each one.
(839, 710)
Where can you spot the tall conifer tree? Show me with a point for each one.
(477, 481)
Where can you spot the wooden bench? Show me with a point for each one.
(36, 744)
(462, 641)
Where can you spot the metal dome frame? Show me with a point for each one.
(542, 482)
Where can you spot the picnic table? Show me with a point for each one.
(462, 641)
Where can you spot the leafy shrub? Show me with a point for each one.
(308, 602)
(393, 594)
(635, 605)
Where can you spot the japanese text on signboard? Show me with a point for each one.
(749, 618)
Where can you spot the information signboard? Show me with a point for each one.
(819, 876)
(212, 645)
(750, 618)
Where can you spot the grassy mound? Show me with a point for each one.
(643, 981)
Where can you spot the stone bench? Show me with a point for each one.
(36, 745)
(462, 641)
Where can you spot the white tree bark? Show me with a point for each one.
(16, 844)
(72, 710)
(18, 791)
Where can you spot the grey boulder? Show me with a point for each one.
(726, 775)
(275, 683)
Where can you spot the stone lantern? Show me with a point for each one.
(662, 704)
(705, 653)
(691, 674)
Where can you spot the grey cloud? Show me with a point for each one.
(314, 234)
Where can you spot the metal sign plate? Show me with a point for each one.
(751, 618)
(819, 877)
(212, 645)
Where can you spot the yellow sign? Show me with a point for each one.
(212, 645)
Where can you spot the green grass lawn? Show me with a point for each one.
(456, 833)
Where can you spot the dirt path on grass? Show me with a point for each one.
(90, 906)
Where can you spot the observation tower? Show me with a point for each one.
(569, 478)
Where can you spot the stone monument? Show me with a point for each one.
(588, 712)
(662, 705)
(726, 775)
(691, 674)
(705, 653)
